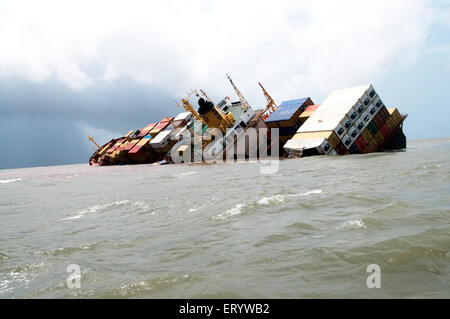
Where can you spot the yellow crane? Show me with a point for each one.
(92, 140)
(239, 94)
(189, 108)
(205, 95)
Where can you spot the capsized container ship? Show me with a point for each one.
(348, 121)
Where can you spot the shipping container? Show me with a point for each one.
(139, 145)
(341, 149)
(161, 140)
(378, 120)
(329, 135)
(361, 143)
(360, 125)
(129, 133)
(131, 145)
(348, 140)
(396, 116)
(378, 103)
(372, 127)
(384, 114)
(312, 108)
(150, 126)
(354, 149)
(143, 132)
(366, 134)
(288, 113)
(378, 138)
(385, 131)
(391, 123)
(166, 119)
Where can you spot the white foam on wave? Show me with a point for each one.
(237, 210)
(281, 198)
(7, 181)
(271, 199)
(313, 192)
(98, 208)
(354, 224)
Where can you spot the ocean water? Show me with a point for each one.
(309, 230)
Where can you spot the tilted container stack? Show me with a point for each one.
(349, 121)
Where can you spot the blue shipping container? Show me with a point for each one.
(286, 110)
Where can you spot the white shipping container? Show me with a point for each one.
(321, 122)
(352, 115)
(364, 89)
(324, 147)
(346, 123)
(161, 139)
(185, 116)
(360, 125)
(378, 103)
(340, 130)
(350, 137)
(303, 144)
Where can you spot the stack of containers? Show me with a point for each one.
(349, 121)
(287, 117)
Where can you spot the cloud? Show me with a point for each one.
(73, 68)
(300, 47)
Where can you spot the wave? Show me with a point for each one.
(149, 286)
(99, 208)
(278, 198)
(7, 181)
(354, 224)
(281, 198)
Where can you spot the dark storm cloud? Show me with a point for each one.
(41, 124)
(110, 107)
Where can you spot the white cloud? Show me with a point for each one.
(295, 48)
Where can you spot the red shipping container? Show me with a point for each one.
(167, 119)
(131, 145)
(361, 143)
(161, 125)
(143, 132)
(384, 114)
(136, 149)
(385, 131)
(378, 119)
(151, 126)
(312, 108)
(340, 149)
(115, 146)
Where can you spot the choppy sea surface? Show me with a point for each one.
(309, 230)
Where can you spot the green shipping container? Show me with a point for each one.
(373, 128)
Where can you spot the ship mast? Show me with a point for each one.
(239, 94)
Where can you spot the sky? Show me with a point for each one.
(69, 69)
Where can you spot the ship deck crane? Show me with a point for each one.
(271, 105)
(92, 140)
(239, 94)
